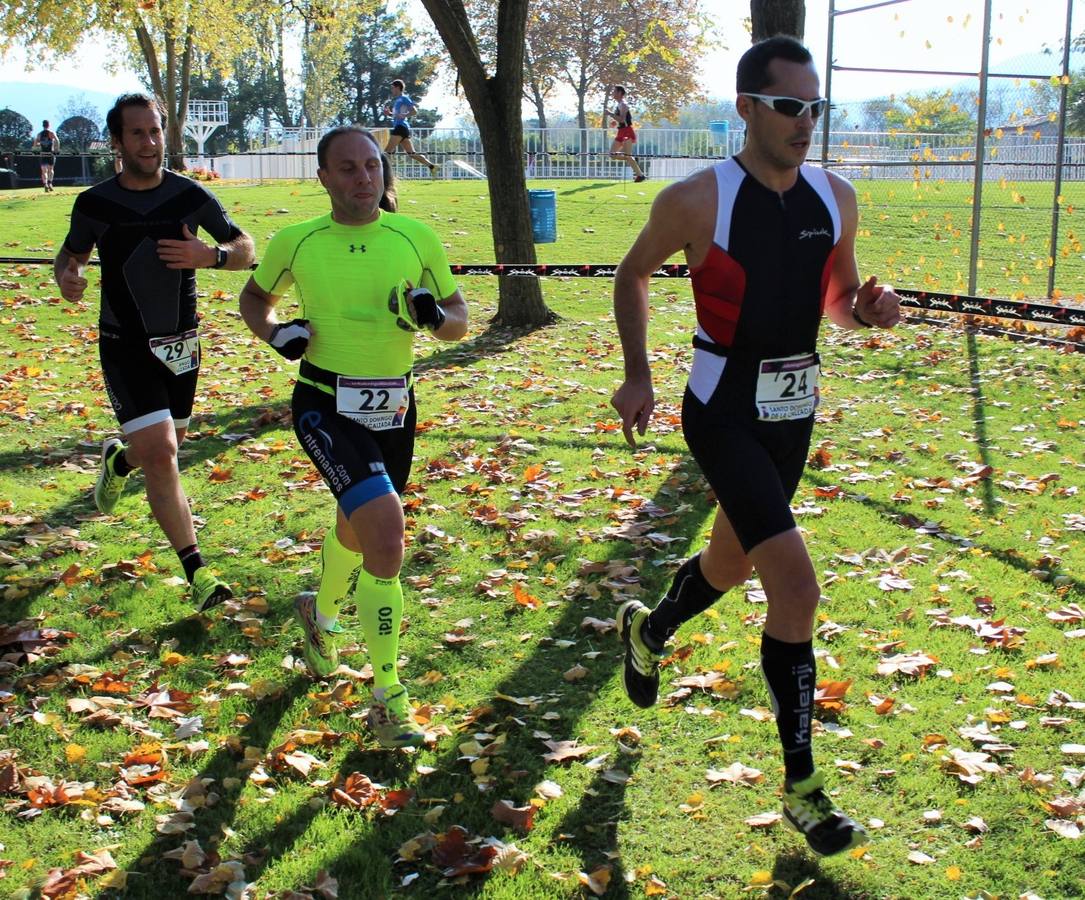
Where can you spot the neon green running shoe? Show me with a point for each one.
(109, 486)
(317, 646)
(640, 674)
(812, 813)
(208, 590)
(392, 722)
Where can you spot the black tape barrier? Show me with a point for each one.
(931, 300)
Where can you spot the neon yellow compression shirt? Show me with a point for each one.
(343, 275)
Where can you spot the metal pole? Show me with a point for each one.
(828, 87)
(981, 120)
(1060, 152)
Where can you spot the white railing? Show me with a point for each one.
(664, 153)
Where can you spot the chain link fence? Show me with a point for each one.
(968, 167)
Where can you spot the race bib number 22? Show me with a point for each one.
(787, 388)
(376, 403)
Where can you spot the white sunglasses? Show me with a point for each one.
(791, 106)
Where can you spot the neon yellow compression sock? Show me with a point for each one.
(380, 611)
(335, 580)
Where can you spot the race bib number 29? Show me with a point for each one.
(376, 403)
(180, 353)
(787, 388)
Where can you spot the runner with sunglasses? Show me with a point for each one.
(770, 243)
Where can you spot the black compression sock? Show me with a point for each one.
(121, 466)
(690, 595)
(791, 676)
(191, 560)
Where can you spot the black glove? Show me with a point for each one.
(289, 339)
(427, 311)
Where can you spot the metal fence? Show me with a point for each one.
(986, 209)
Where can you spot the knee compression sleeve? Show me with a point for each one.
(380, 611)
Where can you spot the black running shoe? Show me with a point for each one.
(641, 671)
(812, 813)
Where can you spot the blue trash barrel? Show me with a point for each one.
(544, 216)
(720, 129)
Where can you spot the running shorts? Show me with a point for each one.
(625, 133)
(141, 388)
(357, 464)
(753, 466)
(402, 130)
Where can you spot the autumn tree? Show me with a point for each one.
(160, 37)
(936, 112)
(493, 85)
(16, 132)
(769, 18)
(379, 50)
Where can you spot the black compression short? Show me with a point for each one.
(754, 467)
(142, 390)
(357, 464)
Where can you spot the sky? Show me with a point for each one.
(928, 34)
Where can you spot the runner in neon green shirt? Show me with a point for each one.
(366, 279)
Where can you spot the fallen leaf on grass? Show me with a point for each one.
(522, 818)
(356, 792)
(597, 881)
(560, 751)
(736, 773)
(455, 856)
(764, 820)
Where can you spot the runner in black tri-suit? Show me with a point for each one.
(771, 248)
(48, 142)
(144, 223)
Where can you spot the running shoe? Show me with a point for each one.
(317, 646)
(641, 670)
(639, 178)
(812, 813)
(110, 485)
(433, 170)
(392, 722)
(208, 590)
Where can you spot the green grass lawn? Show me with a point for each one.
(943, 509)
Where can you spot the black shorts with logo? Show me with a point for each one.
(141, 388)
(356, 463)
(754, 467)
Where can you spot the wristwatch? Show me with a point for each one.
(220, 258)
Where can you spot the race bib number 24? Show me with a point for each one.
(787, 388)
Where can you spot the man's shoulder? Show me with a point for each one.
(295, 232)
(395, 221)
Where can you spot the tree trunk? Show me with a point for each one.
(495, 101)
(772, 17)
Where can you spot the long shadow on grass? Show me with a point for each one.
(979, 419)
(153, 873)
(591, 826)
(899, 518)
(78, 509)
(796, 867)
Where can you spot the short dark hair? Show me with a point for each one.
(752, 75)
(399, 84)
(620, 87)
(114, 119)
(388, 200)
(45, 124)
